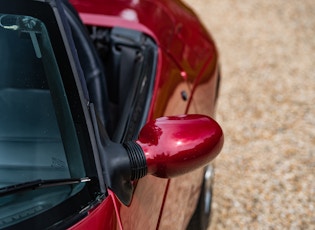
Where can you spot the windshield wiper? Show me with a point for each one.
(32, 185)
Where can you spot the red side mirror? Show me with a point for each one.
(167, 147)
(179, 144)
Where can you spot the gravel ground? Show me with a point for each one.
(265, 176)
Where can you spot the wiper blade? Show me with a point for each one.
(35, 184)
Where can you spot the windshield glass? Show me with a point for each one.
(38, 140)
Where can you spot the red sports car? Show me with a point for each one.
(105, 115)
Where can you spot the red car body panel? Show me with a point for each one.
(100, 217)
(188, 50)
(183, 155)
(187, 64)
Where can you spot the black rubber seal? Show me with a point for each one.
(138, 163)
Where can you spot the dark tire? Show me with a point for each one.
(202, 215)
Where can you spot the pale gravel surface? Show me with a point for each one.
(265, 176)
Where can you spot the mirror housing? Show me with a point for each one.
(166, 147)
(179, 144)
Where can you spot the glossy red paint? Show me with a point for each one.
(179, 144)
(187, 51)
(101, 217)
(187, 57)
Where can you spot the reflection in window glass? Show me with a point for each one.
(37, 134)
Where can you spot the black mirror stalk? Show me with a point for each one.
(121, 163)
(167, 147)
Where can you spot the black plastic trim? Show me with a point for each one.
(130, 60)
(138, 161)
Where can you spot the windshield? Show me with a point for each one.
(38, 139)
